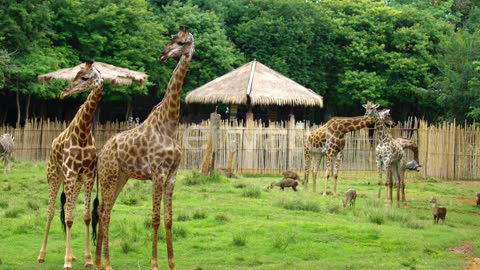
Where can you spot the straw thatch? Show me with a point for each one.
(257, 82)
(116, 75)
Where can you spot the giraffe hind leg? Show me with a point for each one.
(54, 182)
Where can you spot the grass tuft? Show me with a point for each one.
(199, 214)
(33, 205)
(239, 239)
(183, 217)
(222, 218)
(196, 178)
(126, 247)
(3, 205)
(252, 192)
(14, 213)
(179, 232)
(299, 204)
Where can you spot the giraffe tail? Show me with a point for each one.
(63, 200)
(95, 217)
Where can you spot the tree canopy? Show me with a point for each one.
(417, 57)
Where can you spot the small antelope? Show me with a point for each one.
(439, 212)
(350, 197)
(286, 182)
(477, 197)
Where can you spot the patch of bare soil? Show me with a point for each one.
(466, 183)
(467, 249)
(467, 200)
(474, 264)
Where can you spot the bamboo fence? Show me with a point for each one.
(446, 150)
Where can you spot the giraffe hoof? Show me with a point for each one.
(67, 268)
(89, 266)
(40, 260)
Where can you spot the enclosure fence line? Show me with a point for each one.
(446, 150)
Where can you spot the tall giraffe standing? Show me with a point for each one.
(329, 140)
(389, 155)
(148, 151)
(72, 161)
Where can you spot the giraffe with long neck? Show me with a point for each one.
(147, 152)
(389, 155)
(328, 141)
(72, 161)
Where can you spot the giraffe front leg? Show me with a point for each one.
(389, 184)
(167, 204)
(316, 167)
(158, 186)
(380, 175)
(88, 179)
(72, 189)
(54, 183)
(335, 171)
(327, 173)
(308, 163)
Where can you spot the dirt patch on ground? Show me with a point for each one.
(474, 264)
(465, 248)
(467, 200)
(466, 183)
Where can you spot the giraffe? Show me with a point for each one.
(329, 141)
(147, 152)
(72, 161)
(389, 155)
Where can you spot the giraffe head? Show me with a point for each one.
(181, 44)
(371, 109)
(87, 78)
(385, 117)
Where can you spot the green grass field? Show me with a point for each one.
(222, 223)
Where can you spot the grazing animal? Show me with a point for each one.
(477, 197)
(72, 162)
(350, 197)
(290, 174)
(439, 212)
(7, 143)
(285, 182)
(148, 151)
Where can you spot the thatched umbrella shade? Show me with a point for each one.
(116, 75)
(254, 84)
(111, 73)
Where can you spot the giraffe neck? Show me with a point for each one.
(165, 115)
(384, 135)
(84, 117)
(349, 124)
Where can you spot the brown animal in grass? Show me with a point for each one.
(477, 197)
(290, 174)
(228, 173)
(439, 212)
(350, 197)
(286, 182)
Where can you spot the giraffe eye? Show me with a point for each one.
(181, 43)
(85, 78)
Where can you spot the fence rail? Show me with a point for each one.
(446, 150)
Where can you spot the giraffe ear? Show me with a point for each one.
(364, 106)
(376, 106)
(183, 28)
(89, 63)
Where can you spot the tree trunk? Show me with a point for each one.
(19, 113)
(27, 107)
(129, 112)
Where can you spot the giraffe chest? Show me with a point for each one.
(389, 152)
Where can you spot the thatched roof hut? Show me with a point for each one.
(254, 84)
(116, 75)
